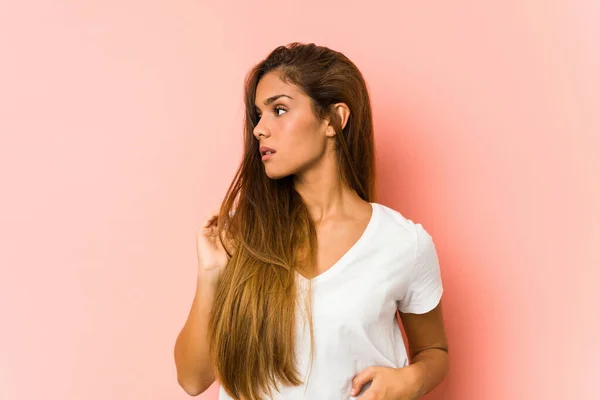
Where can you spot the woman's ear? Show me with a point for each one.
(343, 113)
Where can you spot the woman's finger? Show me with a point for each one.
(208, 221)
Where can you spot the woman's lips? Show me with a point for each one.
(264, 150)
(267, 156)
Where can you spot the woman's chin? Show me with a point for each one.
(273, 174)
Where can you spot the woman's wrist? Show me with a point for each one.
(418, 379)
(207, 283)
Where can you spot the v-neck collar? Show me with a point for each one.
(347, 256)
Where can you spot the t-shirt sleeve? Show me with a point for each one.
(425, 283)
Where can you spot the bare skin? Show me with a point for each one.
(304, 148)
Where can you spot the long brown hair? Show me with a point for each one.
(252, 324)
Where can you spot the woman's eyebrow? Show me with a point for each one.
(273, 98)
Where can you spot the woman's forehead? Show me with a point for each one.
(273, 88)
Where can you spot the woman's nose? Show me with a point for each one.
(261, 130)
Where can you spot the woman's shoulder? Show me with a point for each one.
(394, 216)
(394, 222)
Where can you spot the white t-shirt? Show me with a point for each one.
(393, 265)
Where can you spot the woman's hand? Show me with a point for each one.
(212, 256)
(388, 383)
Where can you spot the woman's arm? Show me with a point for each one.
(428, 347)
(194, 368)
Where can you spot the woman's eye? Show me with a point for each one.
(275, 109)
(278, 109)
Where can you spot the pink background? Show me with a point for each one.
(120, 128)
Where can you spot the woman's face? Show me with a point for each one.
(288, 126)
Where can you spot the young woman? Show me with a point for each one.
(301, 273)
